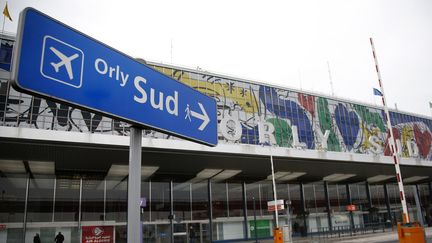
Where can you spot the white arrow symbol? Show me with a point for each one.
(204, 117)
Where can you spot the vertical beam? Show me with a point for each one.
(25, 207)
(79, 204)
(387, 201)
(349, 199)
(104, 210)
(275, 214)
(303, 205)
(150, 200)
(134, 186)
(255, 225)
(418, 204)
(54, 199)
(227, 199)
(328, 206)
(430, 192)
(210, 209)
(190, 199)
(245, 222)
(172, 216)
(368, 194)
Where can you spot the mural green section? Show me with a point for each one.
(370, 117)
(283, 132)
(325, 119)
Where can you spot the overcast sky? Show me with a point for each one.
(287, 43)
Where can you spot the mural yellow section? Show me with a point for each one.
(407, 135)
(225, 92)
(367, 133)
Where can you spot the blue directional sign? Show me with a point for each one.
(55, 61)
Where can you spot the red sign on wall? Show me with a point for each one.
(98, 234)
(271, 205)
(351, 207)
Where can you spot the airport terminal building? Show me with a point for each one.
(66, 170)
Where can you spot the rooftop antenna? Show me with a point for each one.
(330, 78)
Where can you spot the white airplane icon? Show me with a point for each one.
(65, 61)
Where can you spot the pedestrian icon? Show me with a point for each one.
(188, 113)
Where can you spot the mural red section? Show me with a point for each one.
(396, 134)
(308, 102)
(423, 140)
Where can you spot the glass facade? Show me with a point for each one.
(56, 204)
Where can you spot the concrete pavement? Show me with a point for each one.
(385, 237)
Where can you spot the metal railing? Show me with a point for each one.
(344, 231)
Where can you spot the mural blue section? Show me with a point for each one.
(5, 54)
(290, 110)
(348, 124)
(397, 118)
(250, 135)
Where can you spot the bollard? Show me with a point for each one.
(411, 233)
(277, 235)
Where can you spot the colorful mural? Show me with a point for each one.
(308, 122)
(248, 113)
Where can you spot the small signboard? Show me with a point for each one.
(98, 234)
(271, 205)
(143, 202)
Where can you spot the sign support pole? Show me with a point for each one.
(134, 226)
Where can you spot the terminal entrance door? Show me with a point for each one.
(160, 233)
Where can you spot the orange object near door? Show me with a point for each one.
(277, 235)
(410, 233)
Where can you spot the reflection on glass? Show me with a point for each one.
(149, 233)
(116, 200)
(199, 201)
(359, 196)
(12, 199)
(343, 197)
(160, 201)
(266, 191)
(309, 198)
(92, 205)
(182, 203)
(145, 204)
(333, 197)
(67, 200)
(235, 197)
(378, 198)
(253, 194)
(320, 199)
(40, 200)
(219, 200)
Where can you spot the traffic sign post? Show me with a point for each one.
(54, 61)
